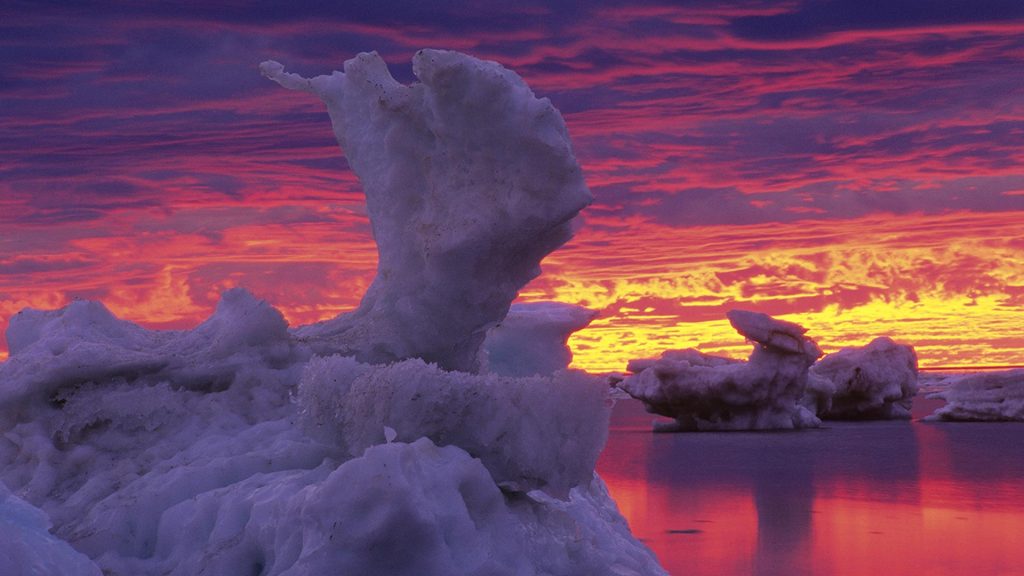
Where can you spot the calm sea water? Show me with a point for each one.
(868, 498)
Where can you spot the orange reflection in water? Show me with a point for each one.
(902, 498)
(705, 535)
(865, 537)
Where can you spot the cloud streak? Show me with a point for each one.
(854, 169)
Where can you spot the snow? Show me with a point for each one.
(877, 381)
(470, 181)
(984, 396)
(84, 343)
(550, 441)
(532, 339)
(28, 549)
(703, 392)
(244, 447)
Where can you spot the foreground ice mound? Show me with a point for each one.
(365, 469)
(986, 396)
(470, 181)
(877, 381)
(533, 338)
(703, 392)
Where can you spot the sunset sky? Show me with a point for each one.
(855, 165)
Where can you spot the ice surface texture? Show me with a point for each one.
(83, 343)
(233, 449)
(28, 549)
(470, 181)
(531, 433)
(704, 392)
(985, 396)
(877, 381)
(207, 464)
(532, 339)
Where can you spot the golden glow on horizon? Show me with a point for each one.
(947, 284)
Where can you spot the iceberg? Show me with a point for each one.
(470, 181)
(704, 392)
(984, 397)
(877, 381)
(368, 444)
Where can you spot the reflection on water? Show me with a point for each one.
(876, 498)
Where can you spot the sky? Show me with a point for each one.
(856, 166)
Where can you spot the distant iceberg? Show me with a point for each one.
(783, 385)
(702, 392)
(877, 381)
(985, 397)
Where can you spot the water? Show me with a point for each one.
(868, 498)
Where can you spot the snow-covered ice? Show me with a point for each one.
(470, 181)
(287, 468)
(59, 350)
(703, 392)
(533, 338)
(550, 440)
(984, 396)
(28, 549)
(242, 447)
(876, 381)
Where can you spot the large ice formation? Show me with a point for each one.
(533, 338)
(238, 448)
(703, 392)
(297, 467)
(470, 181)
(877, 381)
(985, 396)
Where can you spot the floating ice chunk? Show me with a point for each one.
(985, 396)
(931, 382)
(531, 433)
(877, 381)
(532, 339)
(28, 549)
(704, 392)
(688, 356)
(470, 181)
